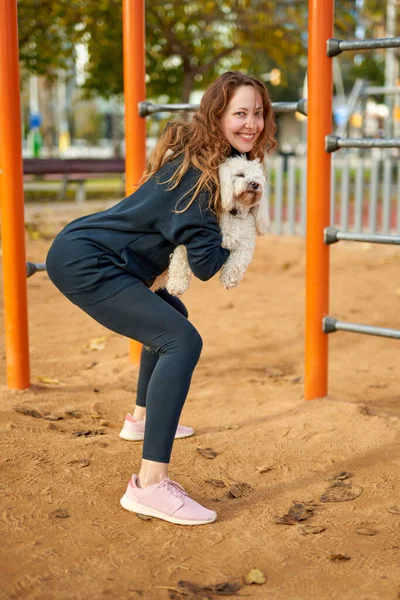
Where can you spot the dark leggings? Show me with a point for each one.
(171, 350)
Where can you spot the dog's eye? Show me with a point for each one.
(239, 174)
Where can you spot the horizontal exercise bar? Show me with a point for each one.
(32, 268)
(148, 108)
(332, 235)
(334, 46)
(334, 142)
(330, 325)
(379, 89)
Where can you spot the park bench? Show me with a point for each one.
(74, 171)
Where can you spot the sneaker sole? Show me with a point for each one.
(139, 437)
(135, 507)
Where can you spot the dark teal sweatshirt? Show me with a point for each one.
(137, 236)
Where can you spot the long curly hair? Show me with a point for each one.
(200, 142)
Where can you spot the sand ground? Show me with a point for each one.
(63, 533)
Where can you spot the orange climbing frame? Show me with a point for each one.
(319, 111)
(135, 92)
(12, 204)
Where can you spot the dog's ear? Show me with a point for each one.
(261, 213)
(225, 178)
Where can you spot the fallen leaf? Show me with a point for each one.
(49, 380)
(341, 492)
(98, 343)
(365, 531)
(285, 520)
(340, 477)
(207, 452)
(79, 462)
(59, 513)
(255, 576)
(144, 517)
(394, 510)
(312, 529)
(239, 489)
(89, 432)
(262, 470)
(30, 412)
(338, 557)
(300, 512)
(216, 483)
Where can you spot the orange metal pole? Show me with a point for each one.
(133, 16)
(12, 203)
(318, 196)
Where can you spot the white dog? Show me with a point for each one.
(244, 215)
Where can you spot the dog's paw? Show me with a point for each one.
(230, 278)
(177, 289)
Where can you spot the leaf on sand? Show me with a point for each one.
(79, 462)
(206, 592)
(338, 557)
(394, 510)
(144, 517)
(207, 452)
(341, 492)
(30, 412)
(216, 483)
(239, 489)
(49, 380)
(89, 432)
(285, 520)
(59, 513)
(300, 512)
(255, 576)
(365, 531)
(98, 343)
(340, 476)
(312, 529)
(264, 469)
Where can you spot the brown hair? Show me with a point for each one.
(200, 141)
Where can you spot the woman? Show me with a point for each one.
(106, 263)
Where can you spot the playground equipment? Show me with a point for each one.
(321, 143)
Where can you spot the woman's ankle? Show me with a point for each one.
(139, 413)
(151, 473)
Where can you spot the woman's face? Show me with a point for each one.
(243, 119)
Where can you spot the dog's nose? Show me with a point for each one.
(254, 185)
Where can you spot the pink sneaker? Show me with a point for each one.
(166, 500)
(133, 430)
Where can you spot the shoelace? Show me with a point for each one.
(172, 488)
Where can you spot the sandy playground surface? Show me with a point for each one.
(63, 533)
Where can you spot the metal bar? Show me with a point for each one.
(379, 89)
(291, 195)
(278, 194)
(333, 191)
(330, 325)
(12, 204)
(32, 268)
(344, 196)
(387, 195)
(373, 196)
(133, 17)
(148, 108)
(335, 46)
(332, 235)
(303, 198)
(334, 142)
(359, 196)
(318, 205)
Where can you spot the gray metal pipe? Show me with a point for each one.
(334, 142)
(330, 325)
(333, 235)
(32, 268)
(335, 46)
(148, 108)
